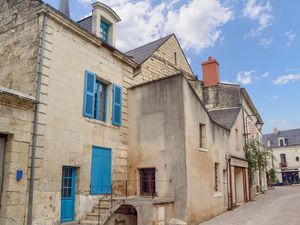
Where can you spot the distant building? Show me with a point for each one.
(285, 146)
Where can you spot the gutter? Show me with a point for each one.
(36, 118)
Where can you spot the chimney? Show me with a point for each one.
(64, 7)
(210, 71)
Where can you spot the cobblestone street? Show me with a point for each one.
(279, 207)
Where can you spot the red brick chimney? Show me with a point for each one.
(210, 71)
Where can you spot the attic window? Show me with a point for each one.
(175, 58)
(281, 142)
(104, 31)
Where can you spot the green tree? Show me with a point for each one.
(257, 157)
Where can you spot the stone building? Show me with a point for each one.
(69, 105)
(285, 147)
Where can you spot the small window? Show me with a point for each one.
(104, 31)
(237, 144)
(147, 182)
(217, 177)
(202, 136)
(175, 58)
(297, 158)
(281, 142)
(282, 158)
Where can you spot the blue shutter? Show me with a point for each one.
(117, 105)
(89, 94)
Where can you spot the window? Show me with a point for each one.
(104, 31)
(237, 144)
(281, 142)
(95, 98)
(175, 58)
(100, 101)
(269, 143)
(217, 178)
(147, 181)
(282, 158)
(117, 106)
(202, 136)
(297, 158)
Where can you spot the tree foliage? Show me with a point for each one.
(257, 157)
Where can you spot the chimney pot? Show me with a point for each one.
(210, 71)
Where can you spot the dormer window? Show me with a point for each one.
(281, 142)
(104, 31)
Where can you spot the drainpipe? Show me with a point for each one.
(36, 117)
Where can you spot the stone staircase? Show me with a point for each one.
(102, 211)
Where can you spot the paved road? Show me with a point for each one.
(278, 207)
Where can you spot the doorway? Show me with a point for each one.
(68, 187)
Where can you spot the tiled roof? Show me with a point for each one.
(225, 117)
(292, 137)
(86, 23)
(142, 53)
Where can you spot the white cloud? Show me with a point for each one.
(280, 124)
(245, 77)
(255, 10)
(290, 36)
(266, 74)
(274, 97)
(197, 23)
(266, 42)
(285, 79)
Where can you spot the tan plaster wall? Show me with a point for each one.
(203, 201)
(156, 139)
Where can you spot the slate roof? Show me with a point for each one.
(225, 117)
(292, 137)
(142, 53)
(86, 23)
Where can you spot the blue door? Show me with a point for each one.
(101, 171)
(68, 194)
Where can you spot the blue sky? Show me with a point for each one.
(255, 41)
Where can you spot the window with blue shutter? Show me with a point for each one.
(89, 94)
(104, 31)
(95, 98)
(117, 105)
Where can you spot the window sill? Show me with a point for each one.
(99, 122)
(202, 149)
(218, 194)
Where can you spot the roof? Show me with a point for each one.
(292, 137)
(86, 23)
(142, 53)
(225, 117)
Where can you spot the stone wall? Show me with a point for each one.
(19, 45)
(16, 119)
(19, 41)
(67, 137)
(162, 62)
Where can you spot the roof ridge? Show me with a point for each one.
(167, 37)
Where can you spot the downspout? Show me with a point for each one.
(230, 201)
(36, 117)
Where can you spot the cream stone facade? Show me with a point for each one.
(285, 148)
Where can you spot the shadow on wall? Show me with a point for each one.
(124, 215)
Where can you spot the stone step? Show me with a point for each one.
(94, 216)
(91, 222)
